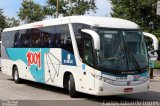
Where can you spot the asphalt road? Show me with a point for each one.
(34, 94)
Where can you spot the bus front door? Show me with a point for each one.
(86, 74)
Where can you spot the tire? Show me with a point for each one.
(71, 87)
(16, 75)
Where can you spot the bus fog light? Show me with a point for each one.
(100, 88)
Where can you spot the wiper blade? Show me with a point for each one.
(129, 54)
(134, 59)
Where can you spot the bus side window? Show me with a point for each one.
(26, 41)
(23, 38)
(58, 41)
(8, 39)
(48, 40)
(48, 37)
(35, 38)
(17, 41)
(51, 44)
(64, 40)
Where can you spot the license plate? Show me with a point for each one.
(128, 90)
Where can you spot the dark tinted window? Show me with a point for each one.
(77, 27)
(64, 37)
(17, 40)
(47, 37)
(25, 38)
(57, 37)
(8, 39)
(35, 38)
(88, 54)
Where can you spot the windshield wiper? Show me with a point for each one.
(122, 47)
(134, 59)
(128, 54)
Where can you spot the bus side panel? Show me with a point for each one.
(6, 66)
(57, 62)
(52, 61)
(30, 62)
(6, 63)
(42, 65)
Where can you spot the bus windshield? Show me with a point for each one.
(122, 51)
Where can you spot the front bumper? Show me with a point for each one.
(104, 89)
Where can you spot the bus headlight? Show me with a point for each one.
(146, 78)
(106, 80)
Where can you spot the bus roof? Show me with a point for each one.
(106, 22)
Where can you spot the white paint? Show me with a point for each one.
(107, 22)
(153, 56)
(158, 8)
(154, 39)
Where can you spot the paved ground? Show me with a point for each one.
(156, 74)
(34, 94)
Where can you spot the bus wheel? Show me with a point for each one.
(71, 87)
(16, 75)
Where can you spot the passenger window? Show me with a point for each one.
(35, 38)
(46, 39)
(57, 37)
(17, 40)
(24, 38)
(8, 39)
(64, 39)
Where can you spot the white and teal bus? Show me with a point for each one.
(94, 55)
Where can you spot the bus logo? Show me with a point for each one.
(136, 77)
(68, 60)
(68, 57)
(34, 58)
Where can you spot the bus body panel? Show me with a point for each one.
(109, 84)
(109, 89)
(52, 64)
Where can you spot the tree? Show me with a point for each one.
(2, 20)
(143, 12)
(69, 7)
(6, 22)
(12, 22)
(31, 12)
(80, 7)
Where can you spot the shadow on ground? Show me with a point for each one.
(149, 96)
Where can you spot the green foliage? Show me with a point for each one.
(142, 12)
(157, 64)
(6, 22)
(80, 7)
(2, 20)
(69, 7)
(50, 8)
(30, 11)
(12, 22)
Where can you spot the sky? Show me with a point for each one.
(11, 7)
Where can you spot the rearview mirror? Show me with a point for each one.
(153, 38)
(95, 36)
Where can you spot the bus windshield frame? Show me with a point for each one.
(122, 51)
